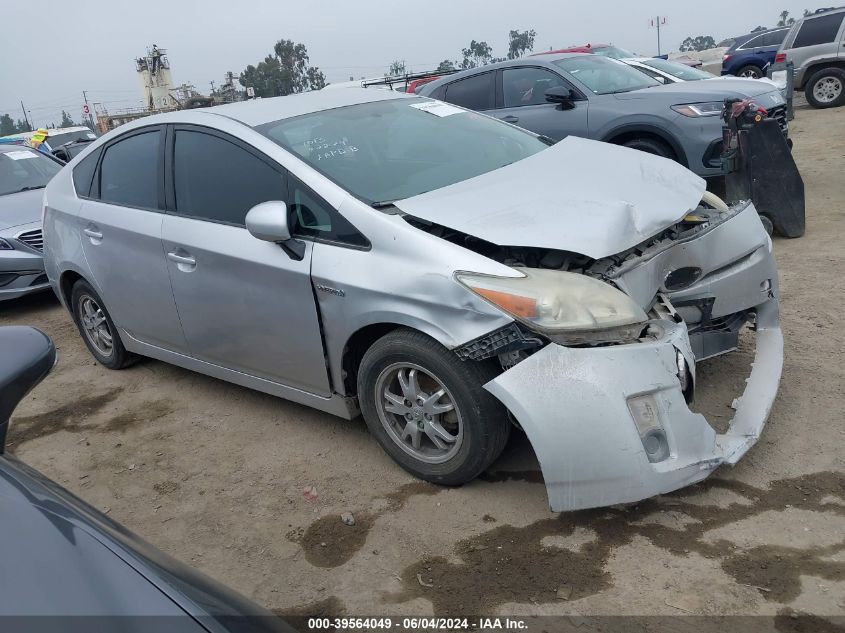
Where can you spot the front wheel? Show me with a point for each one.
(651, 145)
(429, 410)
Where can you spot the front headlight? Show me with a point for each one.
(555, 302)
(5, 246)
(712, 108)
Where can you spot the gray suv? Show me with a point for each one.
(816, 45)
(596, 97)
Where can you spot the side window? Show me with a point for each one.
(129, 172)
(527, 86)
(216, 180)
(474, 93)
(83, 174)
(314, 217)
(775, 37)
(754, 42)
(651, 73)
(820, 30)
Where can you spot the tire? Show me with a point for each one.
(767, 224)
(87, 308)
(826, 88)
(478, 422)
(750, 71)
(651, 145)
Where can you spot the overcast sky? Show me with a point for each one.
(48, 60)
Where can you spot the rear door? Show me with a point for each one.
(244, 303)
(120, 221)
(522, 102)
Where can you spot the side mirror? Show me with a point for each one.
(28, 356)
(562, 95)
(268, 221)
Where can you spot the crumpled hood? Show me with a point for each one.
(20, 208)
(582, 196)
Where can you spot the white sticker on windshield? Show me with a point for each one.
(21, 154)
(437, 108)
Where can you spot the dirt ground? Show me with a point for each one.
(249, 488)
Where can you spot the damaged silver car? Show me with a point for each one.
(445, 274)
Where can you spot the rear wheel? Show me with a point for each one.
(750, 71)
(826, 88)
(96, 327)
(651, 145)
(429, 410)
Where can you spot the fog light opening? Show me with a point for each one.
(644, 410)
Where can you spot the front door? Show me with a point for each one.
(120, 225)
(523, 103)
(244, 303)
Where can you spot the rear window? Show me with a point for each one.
(473, 93)
(820, 30)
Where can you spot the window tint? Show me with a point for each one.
(821, 30)
(83, 174)
(775, 37)
(754, 42)
(313, 217)
(473, 93)
(220, 181)
(527, 86)
(129, 171)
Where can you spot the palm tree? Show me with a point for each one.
(783, 16)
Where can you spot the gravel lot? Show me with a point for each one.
(249, 488)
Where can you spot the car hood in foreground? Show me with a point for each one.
(582, 196)
(20, 208)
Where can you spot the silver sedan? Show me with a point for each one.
(442, 273)
(24, 172)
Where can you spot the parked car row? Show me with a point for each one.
(429, 267)
(606, 99)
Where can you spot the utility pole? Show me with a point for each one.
(25, 118)
(212, 86)
(657, 22)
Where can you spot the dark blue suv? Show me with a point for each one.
(750, 55)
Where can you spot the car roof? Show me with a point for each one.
(258, 111)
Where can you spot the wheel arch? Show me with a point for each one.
(820, 65)
(624, 133)
(66, 282)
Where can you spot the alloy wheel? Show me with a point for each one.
(827, 89)
(750, 73)
(419, 413)
(96, 326)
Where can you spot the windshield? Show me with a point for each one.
(681, 71)
(604, 76)
(613, 51)
(57, 140)
(390, 150)
(23, 169)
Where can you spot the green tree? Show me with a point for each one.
(397, 68)
(7, 125)
(697, 43)
(520, 43)
(785, 20)
(284, 72)
(478, 54)
(66, 120)
(759, 28)
(446, 66)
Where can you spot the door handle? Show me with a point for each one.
(186, 260)
(93, 234)
(510, 119)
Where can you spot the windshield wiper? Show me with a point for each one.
(32, 188)
(382, 205)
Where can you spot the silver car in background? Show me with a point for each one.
(24, 172)
(432, 268)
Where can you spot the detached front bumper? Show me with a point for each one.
(575, 405)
